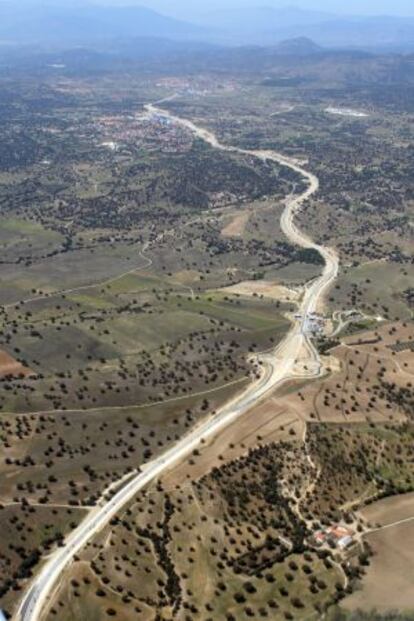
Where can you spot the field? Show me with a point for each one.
(9, 367)
(30, 531)
(362, 287)
(366, 385)
(105, 329)
(235, 542)
(140, 270)
(85, 454)
(387, 585)
(389, 510)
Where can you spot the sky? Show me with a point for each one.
(357, 7)
(191, 8)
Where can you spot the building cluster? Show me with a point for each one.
(201, 85)
(314, 323)
(335, 536)
(152, 133)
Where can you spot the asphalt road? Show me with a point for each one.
(277, 367)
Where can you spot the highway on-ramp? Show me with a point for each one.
(276, 368)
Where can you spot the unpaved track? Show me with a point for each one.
(278, 367)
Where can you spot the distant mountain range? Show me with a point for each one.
(386, 33)
(80, 24)
(246, 21)
(60, 24)
(294, 63)
(266, 25)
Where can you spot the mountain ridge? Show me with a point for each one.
(266, 26)
(53, 23)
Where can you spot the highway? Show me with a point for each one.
(277, 367)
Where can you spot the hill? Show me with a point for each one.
(299, 46)
(267, 25)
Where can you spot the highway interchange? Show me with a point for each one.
(277, 367)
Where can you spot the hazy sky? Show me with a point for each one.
(370, 7)
(191, 8)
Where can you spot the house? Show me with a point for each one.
(336, 535)
(345, 542)
(341, 536)
(319, 537)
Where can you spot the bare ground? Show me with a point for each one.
(388, 584)
(264, 288)
(11, 366)
(236, 227)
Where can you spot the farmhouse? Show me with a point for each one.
(336, 535)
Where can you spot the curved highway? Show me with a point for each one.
(277, 367)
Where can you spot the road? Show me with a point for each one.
(277, 367)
